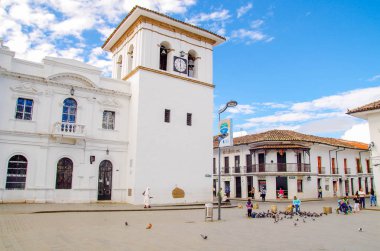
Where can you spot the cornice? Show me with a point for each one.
(191, 80)
(47, 82)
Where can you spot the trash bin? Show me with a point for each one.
(209, 211)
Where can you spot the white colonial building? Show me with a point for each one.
(297, 163)
(67, 134)
(371, 113)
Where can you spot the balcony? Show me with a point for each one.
(279, 167)
(335, 170)
(347, 170)
(321, 170)
(69, 130)
(236, 169)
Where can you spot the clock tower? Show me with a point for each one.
(168, 64)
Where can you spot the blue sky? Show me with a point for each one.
(294, 65)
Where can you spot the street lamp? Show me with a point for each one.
(231, 103)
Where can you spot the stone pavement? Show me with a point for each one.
(21, 229)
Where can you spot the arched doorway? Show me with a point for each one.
(105, 180)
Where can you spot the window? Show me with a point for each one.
(163, 58)
(358, 167)
(188, 119)
(167, 116)
(64, 174)
(16, 175)
(191, 63)
(108, 120)
(119, 66)
(214, 165)
(226, 165)
(299, 186)
(24, 109)
(69, 111)
(130, 58)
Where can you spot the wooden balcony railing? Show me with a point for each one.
(321, 170)
(279, 167)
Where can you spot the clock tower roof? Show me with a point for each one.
(142, 14)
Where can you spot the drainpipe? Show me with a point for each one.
(330, 158)
(336, 156)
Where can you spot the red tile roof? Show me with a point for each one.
(368, 107)
(292, 136)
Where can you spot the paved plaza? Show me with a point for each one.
(21, 229)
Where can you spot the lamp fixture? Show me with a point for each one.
(72, 91)
(182, 54)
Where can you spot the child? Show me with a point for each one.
(373, 198)
(296, 204)
(347, 201)
(249, 207)
(357, 204)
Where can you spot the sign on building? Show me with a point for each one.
(225, 130)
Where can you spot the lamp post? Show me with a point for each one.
(220, 138)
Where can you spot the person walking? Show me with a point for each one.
(263, 193)
(362, 198)
(252, 192)
(356, 204)
(373, 198)
(319, 192)
(249, 206)
(147, 197)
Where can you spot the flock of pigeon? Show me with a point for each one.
(278, 216)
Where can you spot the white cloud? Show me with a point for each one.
(324, 115)
(250, 35)
(241, 109)
(239, 134)
(213, 16)
(374, 78)
(341, 101)
(244, 9)
(257, 23)
(358, 132)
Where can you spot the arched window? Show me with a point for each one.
(163, 58)
(130, 58)
(192, 71)
(16, 175)
(69, 110)
(64, 174)
(119, 65)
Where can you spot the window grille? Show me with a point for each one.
(189, 119)
(108, 120)
(16, 175)
(24, 109)
(167, 116)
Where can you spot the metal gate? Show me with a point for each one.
(105, 180)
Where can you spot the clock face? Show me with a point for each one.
(180, 64)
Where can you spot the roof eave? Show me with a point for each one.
(138, 11)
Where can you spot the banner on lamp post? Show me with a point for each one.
(225, 131)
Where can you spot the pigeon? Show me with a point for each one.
(149, 226)
(126, 223)
(304, 221)
(313, 219)
(295, 224)
(360, 229)
(297, 219)
(204, 236)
